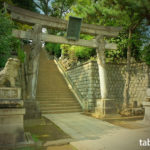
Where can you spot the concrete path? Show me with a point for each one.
(81, 127)
(122, 139)
(93, 134)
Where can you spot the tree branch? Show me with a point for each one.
(37, 5)
(139, 21)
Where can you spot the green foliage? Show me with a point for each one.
(77, 52)
(61, 7)
(2, 2)
(130, 14)
(7, 42)
(56, 8)
(16, 47)
(5, 38)
(84, 52)
(53, 49)
(146, 54)
(65, 50)
(26, 4)
(21, 26)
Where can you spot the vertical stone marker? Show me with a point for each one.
(11, 117)
(146, 105)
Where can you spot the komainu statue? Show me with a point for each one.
(10, 72)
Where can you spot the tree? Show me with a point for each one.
(2, 2)
(56, 8)
(5, 38)
(8, 43)
(27, 4)
(132, 15)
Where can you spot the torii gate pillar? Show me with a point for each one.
(104, 106)
(31, 104)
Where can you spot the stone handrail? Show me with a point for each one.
(70, 84)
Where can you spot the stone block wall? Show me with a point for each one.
(139, 82)
(86, 79)
(116, 75)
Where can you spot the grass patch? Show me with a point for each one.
(44, 130)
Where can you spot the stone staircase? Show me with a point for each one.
(53, 93)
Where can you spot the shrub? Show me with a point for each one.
(146, 54)
(53, 49)
(7, 42)
(81, 53)
(5, 38)
(84, 52)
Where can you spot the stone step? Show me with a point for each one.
(60, 111)
(51, 98)
(54, 94)
(55, 98)
(54, 88)
(54, 85)
(46, 102)
(60, 108)
(51, 90)
(57, 102)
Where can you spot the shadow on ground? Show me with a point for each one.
(43, 131)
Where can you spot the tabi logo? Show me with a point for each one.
(144, 142)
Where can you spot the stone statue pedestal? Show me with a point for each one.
(11, 126)
(146, 105)
(11, 118)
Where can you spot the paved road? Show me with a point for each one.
(93, 134)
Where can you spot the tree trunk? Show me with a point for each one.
(128, 67)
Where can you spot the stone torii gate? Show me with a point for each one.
(39, 21)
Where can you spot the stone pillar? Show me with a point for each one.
(90, 93)
(33, 63)
(146, 105)
(31, 104)
(105, 105)
(101, 66)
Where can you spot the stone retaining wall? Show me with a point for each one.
(138, 82)
(86, 79)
